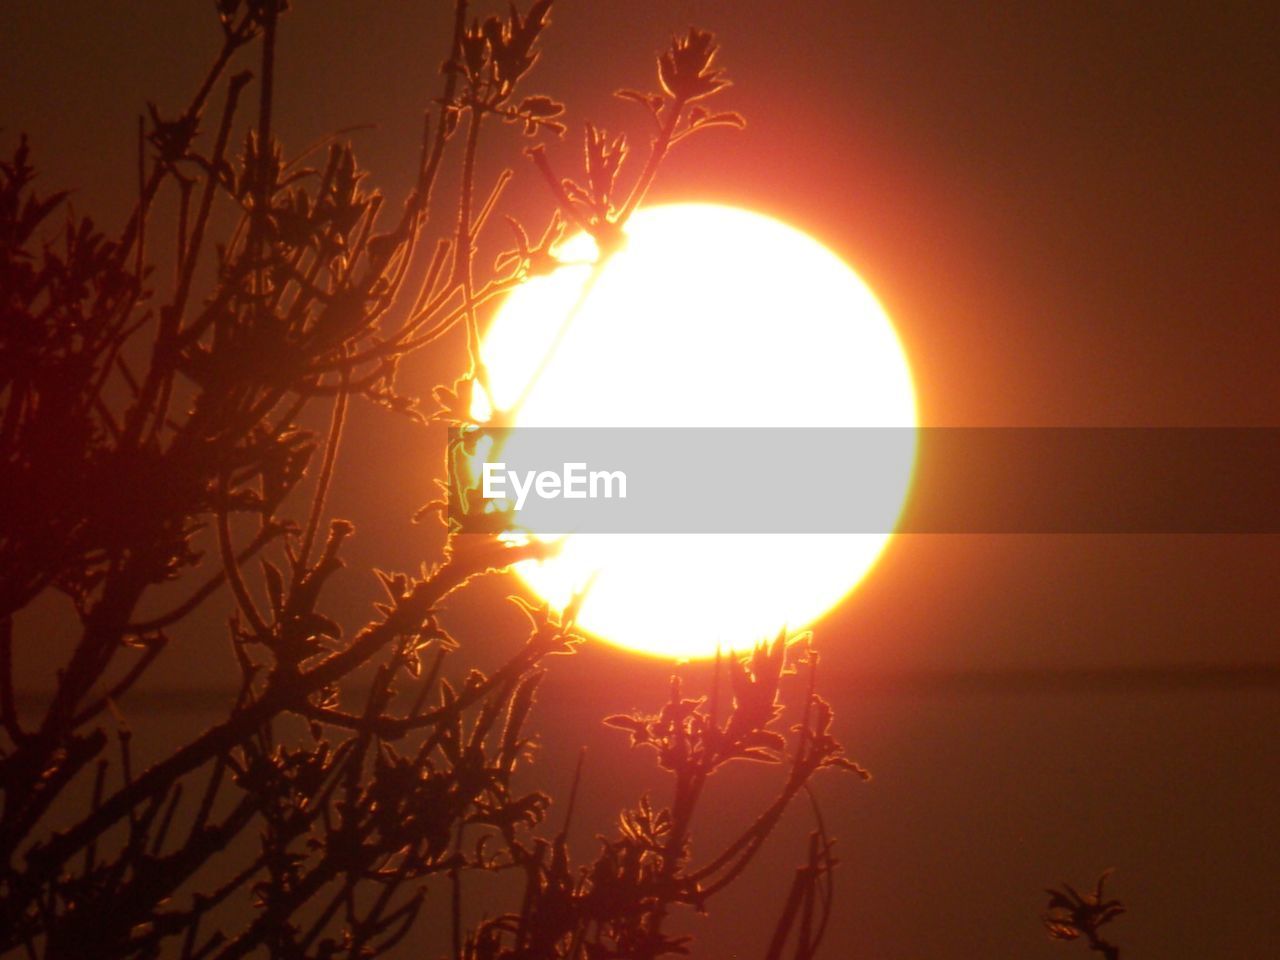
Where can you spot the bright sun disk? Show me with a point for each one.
(710, 316)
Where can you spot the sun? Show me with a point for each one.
(709, 316)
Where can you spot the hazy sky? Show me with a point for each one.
(1072, 212)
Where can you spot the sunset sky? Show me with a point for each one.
(1071, 212)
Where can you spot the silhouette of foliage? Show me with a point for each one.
(1071, 915)
(153, 427)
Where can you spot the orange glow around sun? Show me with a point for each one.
(709, 316)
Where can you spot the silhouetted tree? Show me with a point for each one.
(1071, 915)
(147, 422)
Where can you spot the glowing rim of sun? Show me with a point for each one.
(718, 306)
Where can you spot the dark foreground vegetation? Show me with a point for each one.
(156, 390)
